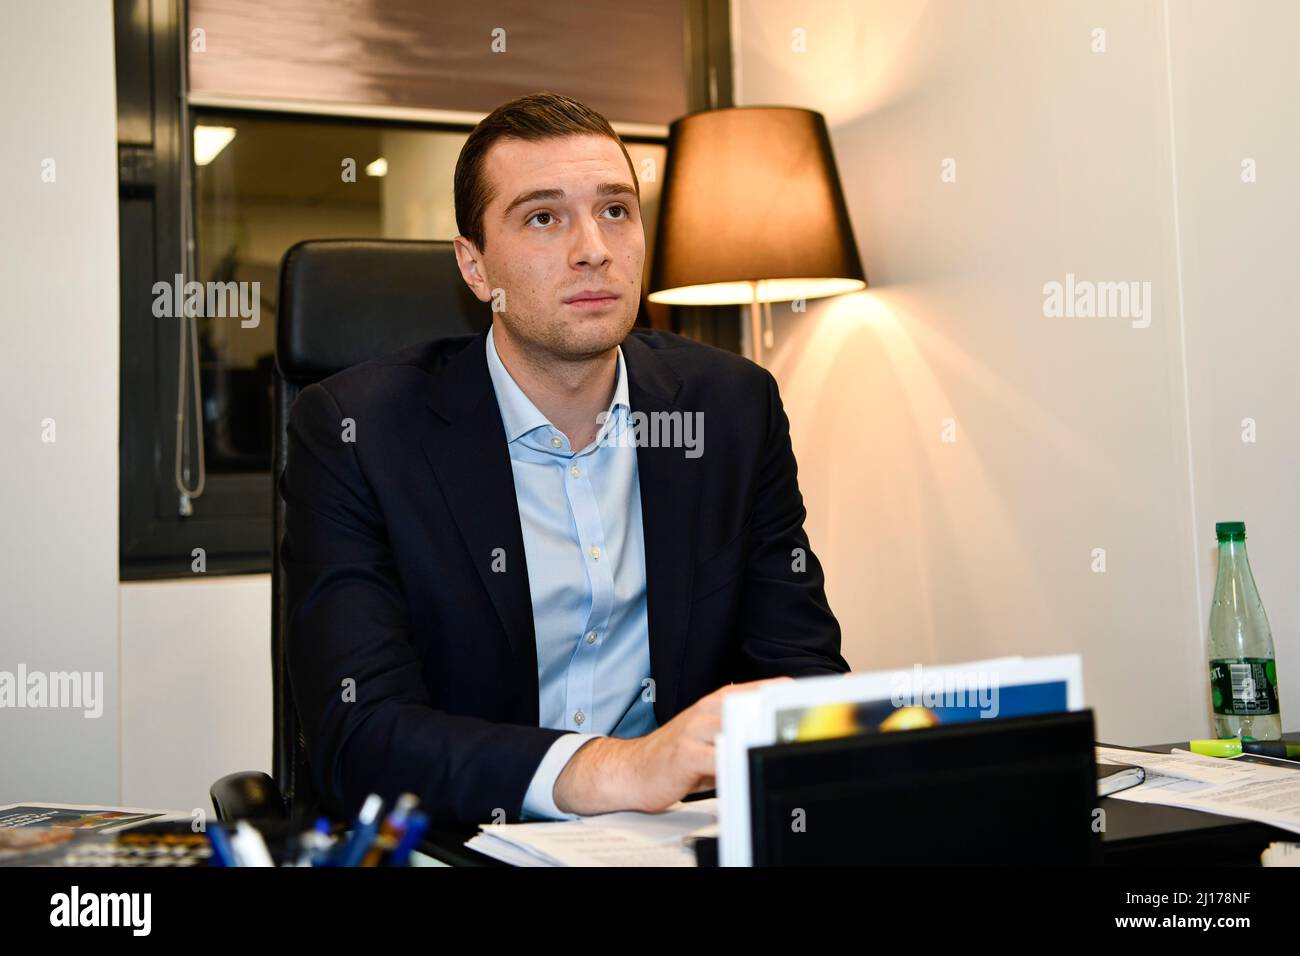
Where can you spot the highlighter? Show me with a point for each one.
(1233, 746)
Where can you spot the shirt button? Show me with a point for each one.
(595, 553)
(591, 637)
(575, 471)
(579, 718)
(556, 442)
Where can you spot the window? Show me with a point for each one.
(260, 177)
(274, 181)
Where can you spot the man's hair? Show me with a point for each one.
(531, 118)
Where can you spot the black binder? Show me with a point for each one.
(1020, 791)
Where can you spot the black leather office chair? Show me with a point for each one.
(342, 302)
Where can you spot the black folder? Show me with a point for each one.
(1019, 791)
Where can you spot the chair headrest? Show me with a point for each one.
(345, 301)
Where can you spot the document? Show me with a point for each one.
(1230, 787)
(608, 839)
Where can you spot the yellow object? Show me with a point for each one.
(827, 721)
(909, 718)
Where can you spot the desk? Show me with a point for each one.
(1144, 834)
(1136, 834)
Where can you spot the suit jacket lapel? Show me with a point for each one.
(669, 511)
(464, 441)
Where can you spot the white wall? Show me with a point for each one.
(196, 686)
(1237, 99)
(187, 692)
(1072, 434)
(58, 500)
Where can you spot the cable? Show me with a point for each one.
(188, 321)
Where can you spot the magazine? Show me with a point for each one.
(70, 817)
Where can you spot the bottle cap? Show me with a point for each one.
(1230, 531)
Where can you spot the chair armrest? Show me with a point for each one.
(247, 794)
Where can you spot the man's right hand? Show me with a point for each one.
(648, 773)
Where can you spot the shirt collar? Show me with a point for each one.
(518, 412)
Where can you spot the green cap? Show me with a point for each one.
(1230, 531)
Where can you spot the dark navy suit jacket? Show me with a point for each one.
(413, 662)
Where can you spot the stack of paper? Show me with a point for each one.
(609, 839)
(1231, 788)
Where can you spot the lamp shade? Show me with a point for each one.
(752, 201)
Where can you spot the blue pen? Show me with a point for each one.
(390, 834)
(222, 851)
(314, 845)
(363, 832)
(416, 824)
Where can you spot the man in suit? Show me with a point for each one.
(521, 573)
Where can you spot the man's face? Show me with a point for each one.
(563, 221)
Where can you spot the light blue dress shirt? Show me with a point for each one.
(581, 518)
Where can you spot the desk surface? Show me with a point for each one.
(1145, 834)
(1136, 834)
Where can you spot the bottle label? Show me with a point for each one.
(1244, 686)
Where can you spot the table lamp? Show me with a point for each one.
(752, 212)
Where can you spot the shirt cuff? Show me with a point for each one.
(539, 801)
